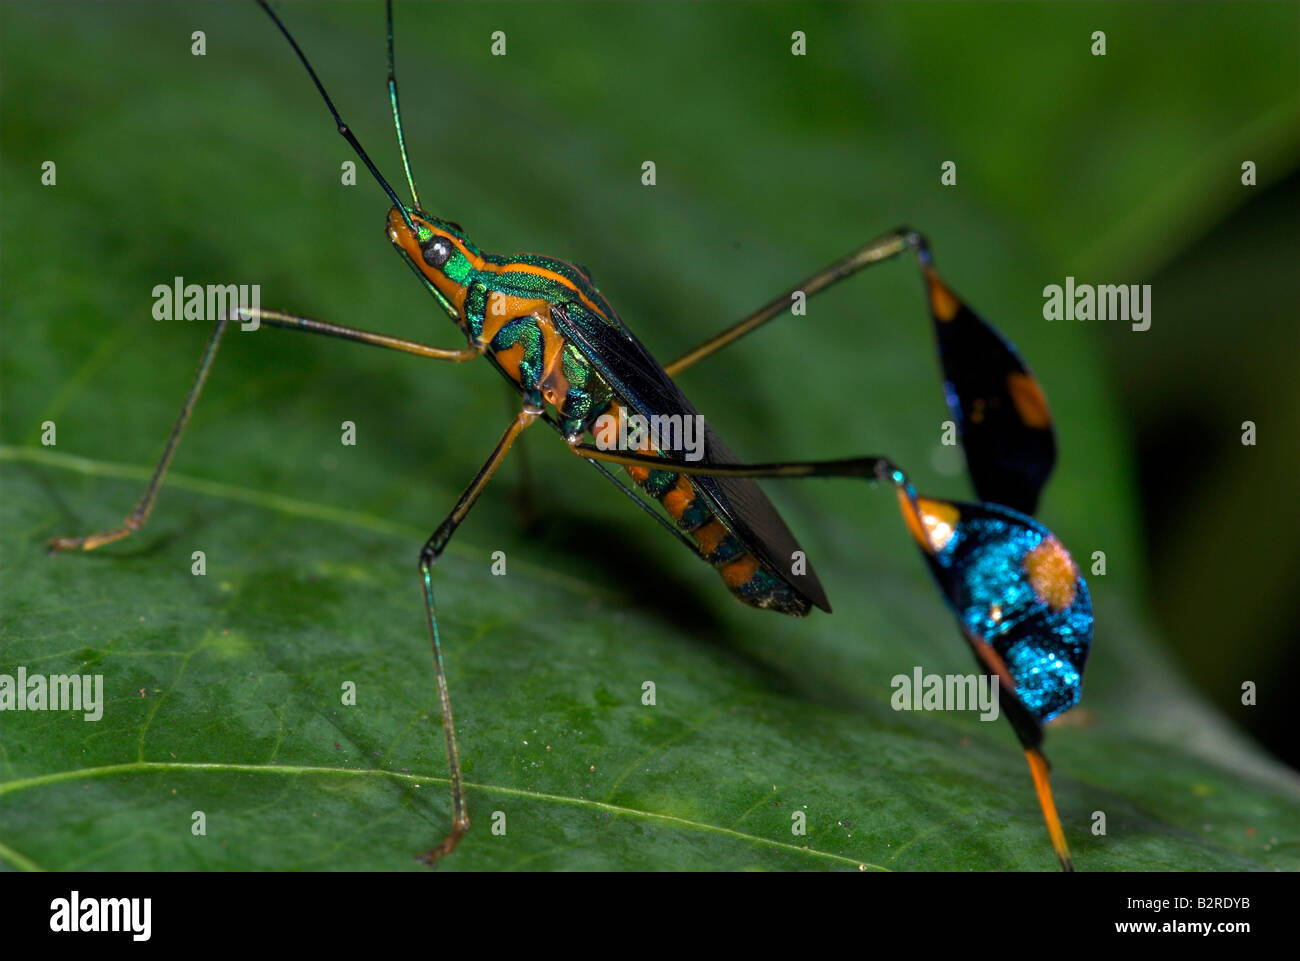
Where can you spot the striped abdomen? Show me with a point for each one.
(507, 307)
(741, 571)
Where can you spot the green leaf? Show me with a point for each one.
(224, 692)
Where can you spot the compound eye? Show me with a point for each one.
(437, 251)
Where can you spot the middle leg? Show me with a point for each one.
(429, 556)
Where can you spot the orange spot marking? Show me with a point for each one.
(1028, 398)
(510, 359)
(710, 535)
(942, 300)
(645, 447)
(638, 473)
(977, 411)
(678, 500)
(604, 429)
(940, 520)
(1051, 574)
(739, 572)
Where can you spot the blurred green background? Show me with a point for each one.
(225, 168)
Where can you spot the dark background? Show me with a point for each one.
(1221, 523)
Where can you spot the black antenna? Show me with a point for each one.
(343, 128)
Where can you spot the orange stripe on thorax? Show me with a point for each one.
(521, 268)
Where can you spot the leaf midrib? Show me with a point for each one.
(149, 767)
(348, 518)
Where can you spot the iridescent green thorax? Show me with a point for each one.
(554, 336)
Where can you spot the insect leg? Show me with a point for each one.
(882, 248)
(275, 318)
(135, 520)
(876, 468)
(429, 555)
(140, 513)
(1039, 767)
(1027, 728)
(1030, 733)
(999, 410)
(525, 490)
(633, 496)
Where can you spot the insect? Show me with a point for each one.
(545, 326)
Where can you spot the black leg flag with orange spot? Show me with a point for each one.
(1000, 411)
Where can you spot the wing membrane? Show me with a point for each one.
(739, 502)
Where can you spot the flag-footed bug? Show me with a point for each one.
(1019, 599)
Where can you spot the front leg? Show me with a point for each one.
(271, 318)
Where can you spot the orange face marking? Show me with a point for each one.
(638, 474)
(739, 572)
(943, 302)
(1052, 574)
(1028, 398)
(401, 235)
(709, 536)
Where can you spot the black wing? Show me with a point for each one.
(1009, 459)
(738, 501)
